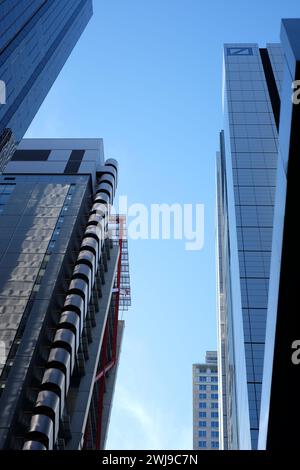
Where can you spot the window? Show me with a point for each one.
(214, 379)
(202, 444)
(215, 444)
(202, 387)
(214, 405)
(202, 424)
(214, 387)
(202, 414)
(214, 396)
(3, 198)
(214, 424)
(202, 379)
(202, 433)
(202, 404)
(57, 229)
(202, 396)
(5, 193)
(214, 414)
(215, 434)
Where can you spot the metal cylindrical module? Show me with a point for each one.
(50, 402)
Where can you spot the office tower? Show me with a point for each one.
(64, 278)
(246, 181)
(205, 403)
(280, 411)
(36, 38)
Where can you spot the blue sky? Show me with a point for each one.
(146, 76)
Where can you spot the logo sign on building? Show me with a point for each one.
(239, 51)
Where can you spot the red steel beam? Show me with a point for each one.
(109, 365)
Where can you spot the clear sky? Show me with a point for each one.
(146, 76)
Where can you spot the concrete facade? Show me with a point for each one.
(205, 404)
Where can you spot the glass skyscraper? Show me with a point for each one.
(246, 184)
(64, 277)
(280, 411)
(205, 404)
(36, 38)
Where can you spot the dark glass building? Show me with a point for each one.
(280, 410)
(36, 38)
(64, 277)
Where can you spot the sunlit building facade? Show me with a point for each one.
(64, 278)
(246, 184)
(205, 403)
(36, 39)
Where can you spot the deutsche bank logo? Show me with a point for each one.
(240, 51)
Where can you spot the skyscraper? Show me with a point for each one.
(246, 183)
(36, 38)
(205, 403)
(64, 277)
(280, 411)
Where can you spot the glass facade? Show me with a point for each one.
(35, 225)
(36, 38)
(280, 412)
(246, 181)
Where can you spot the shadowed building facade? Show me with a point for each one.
(281, 368)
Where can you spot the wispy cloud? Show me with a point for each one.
(145, 426)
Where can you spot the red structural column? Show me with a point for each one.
(106, 366)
